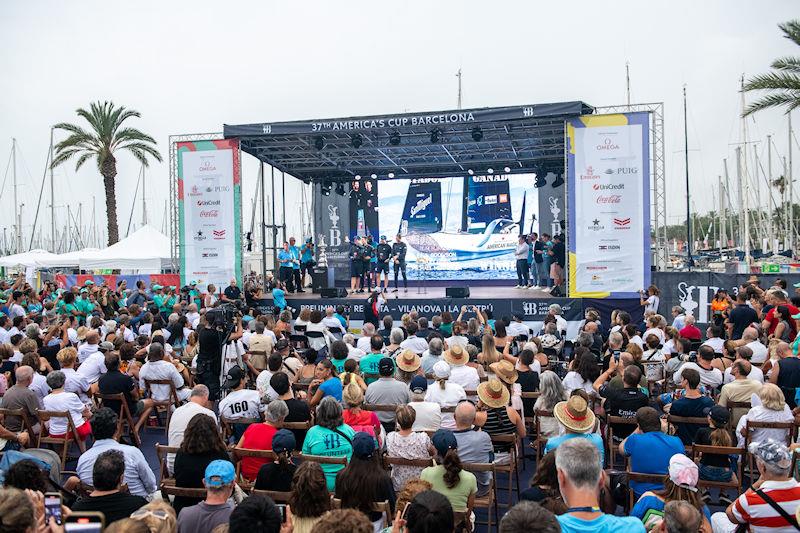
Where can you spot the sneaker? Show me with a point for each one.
(534, 287)
(405, 290)
(394, 290)
(706, 497)
(518, 286)
(301, 290)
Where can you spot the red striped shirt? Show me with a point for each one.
(751, 508)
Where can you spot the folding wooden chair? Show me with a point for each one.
(63, 442)
(402, 461)
(298, 426)
(124, 416)
(673, 421)
(510, 468)
(172, 490)
(377, 507)
(239, 454)
(489, 501)
(789, 427)
(540, 442)
(529, 417)
(641, 478)
(163, 405)
(277, 496)
(298, 342)
(162, 452)
(227, 425)
(743, 408)
(736, 481)
(25, 419)
(613, 447)
(379, 408)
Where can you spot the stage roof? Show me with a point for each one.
(413, 145)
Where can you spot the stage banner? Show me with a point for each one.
(332, 223)
(608, 163)
(209, 206)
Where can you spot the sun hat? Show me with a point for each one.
(283, 441)
(106, 346)
(493, 393)
(363, 445)
(418, 384)
(444, 440)
(574, 414)
(219, 473)
(504, 371)
(441, 370)
(456, 356)
(683, 472)
(772, 452)
(409, 361)
(82, 331)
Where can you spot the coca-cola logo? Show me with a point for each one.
(608, 145)
(609, 199)
(211, 213)
(207, 166)
(201, 203)
(608, 186)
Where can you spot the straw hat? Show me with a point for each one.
(504, 371)
(493, 393)
(82, 331)
(574, 414)
(456, 356)
(408, 361)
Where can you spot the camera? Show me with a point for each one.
(692, 357)
(223, 316)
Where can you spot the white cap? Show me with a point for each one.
(441, 370)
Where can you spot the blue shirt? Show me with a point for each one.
(307, 254)
(279, 298)
(285, 258)
(138, 475)
(332, 387)
(648, 502)
(602, 524)
(341, 319)
(650, 454)
(295, 251)
(594, 438)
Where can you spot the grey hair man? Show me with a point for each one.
(276, 412)
(473, 446)
(680, 516)
(432, 355)
(750, 339)
(198, 404)
(529, 516)
(21, 397)
(353, 352)
(580, 478)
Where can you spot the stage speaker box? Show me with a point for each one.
(333, 292)
(457, 292)
(319, 279)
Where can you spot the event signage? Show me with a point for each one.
(409, 120)
(209, 200)
(609, 228)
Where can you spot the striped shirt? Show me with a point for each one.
(751, 508)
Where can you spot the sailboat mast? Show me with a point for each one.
(773, 240)
(52, 196)
(17, 229)
(144, 197)
(458, 75)
(743, 188)
(722, 236)
(628, 84)
(689, 261)
(790, 184)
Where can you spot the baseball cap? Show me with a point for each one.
(219, 473)
(386, 366)
(106, 346)
(193, 283)
(88, 282)
(418, 384)
(444, 440)
(363, 445)
(718, 414)
(281, 344)
(233, 377)
(383, 237)
(772, 452)
(283, 441)
(157, 287)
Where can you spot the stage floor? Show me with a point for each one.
(416, 293)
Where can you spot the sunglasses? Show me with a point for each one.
(160, 514)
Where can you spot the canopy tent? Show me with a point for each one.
(29, 259)
(526, 139)
(144, 250)
(69, 259)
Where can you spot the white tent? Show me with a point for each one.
(144, 250)
(29, 259)
(69, 259)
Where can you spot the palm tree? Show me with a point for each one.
(105, 137)
(784, 82)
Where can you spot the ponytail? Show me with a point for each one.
(283, 460)
(721, 437)
(442, 383)
(452, 467)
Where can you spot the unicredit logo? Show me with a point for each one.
(608, 186)
(211, 213)
(610, 199)
(201, 203)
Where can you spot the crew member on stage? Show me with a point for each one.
(306, 260)
(295, 251)
(521, 255)
(382, 255)
(355, 264)
(285, 262)
(399, 249)
(366, 271)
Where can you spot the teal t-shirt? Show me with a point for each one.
(328, 443)
(602, 524)
(369, 365)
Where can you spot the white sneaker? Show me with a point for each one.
(519, 287)
(534, 287)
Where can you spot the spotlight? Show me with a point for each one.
(506, 170)
(394, 138)
(477, 134)
(357, 177)
(356, 140)
(490, 170)
(319, 142)
(391, 175)
(558, 182)
(340, 189)
(435, 136)
(373, 176)
(325, 188)
(470, 172)
(540, 181)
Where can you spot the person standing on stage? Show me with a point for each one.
(306, 260)
(547, 260)
(355, 264)
(537, 248)
(373, 263)
(558, 254)
(399, 249)
(366, 266)
(383, 254)
(285, 262)
(295, 251)
(521, 255)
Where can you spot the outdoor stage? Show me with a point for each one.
(416, 293)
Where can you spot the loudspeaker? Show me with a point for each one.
(333, 292)
(457, 292)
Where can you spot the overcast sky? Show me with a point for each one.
(192, 66)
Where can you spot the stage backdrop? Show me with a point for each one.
(209, 205)
(608, 168)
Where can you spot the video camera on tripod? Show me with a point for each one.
(223, 317)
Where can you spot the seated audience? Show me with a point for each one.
(107, 498)
(405, 443)
(449, 478)
(529, 516)
(219, 480)
(429, 511)
(343, 521)
(158, 367)
(622, 402)
(240, 403)
(259, 513)
(202, 444)
(325, 383)
(460, 372)
(577, 421)
(330, 437)
(692, 404)
(768, 405)
(551, 392)
(386, 390)
(474, 444)
(544, 486)
(116, 382)
(277, 474)
(496, 417)
(309, 499)
(198, 403)
(157, 516)
(444, 392)
(62, 401)
(428, 415)
(259, 437)
(298, 409)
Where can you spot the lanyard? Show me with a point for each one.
(586, 509)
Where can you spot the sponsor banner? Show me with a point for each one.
(693, 291)
(609, 218)
(67, 281)
(209, 202)
(332, 223)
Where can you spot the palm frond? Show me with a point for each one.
(132, 134)
(789, 100)
(121, 116)
(83, 158)
(63, 156)
(773, 80)
(791, 30)
(789, 64)
(144, 148)
(140, 156)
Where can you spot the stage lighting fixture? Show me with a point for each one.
(490, 170)
(435, 136)
(394, 138)
(477, 134)
(558, 182)
(325, 188)
(340, 189)
(391, 175)
(470, 172)
(356, 140)
(540, 182)
(319, 142)
(506, 170)
(357, 177)
(373, 176)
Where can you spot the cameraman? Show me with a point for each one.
(211, 339)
